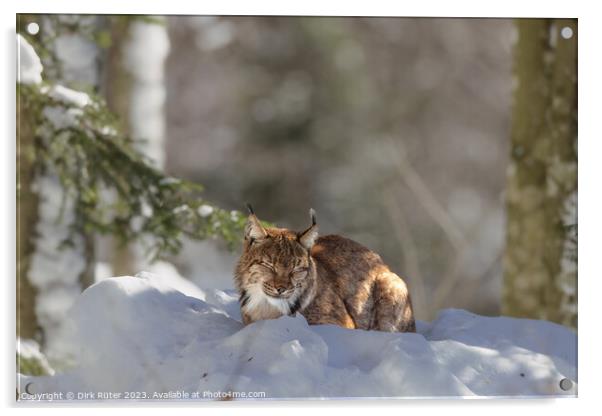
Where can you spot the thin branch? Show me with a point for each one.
(451, 279)
(468, 291)
(424, 195)
(409, 253)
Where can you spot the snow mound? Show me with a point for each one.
(138, 334)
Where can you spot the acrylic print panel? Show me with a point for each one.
(439, 156)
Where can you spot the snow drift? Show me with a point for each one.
(139, 338)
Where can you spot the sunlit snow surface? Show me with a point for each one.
(138, 334)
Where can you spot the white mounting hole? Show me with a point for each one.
(33, 28)
(566, 32)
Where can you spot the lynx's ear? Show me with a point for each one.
(253, 229)
(308, 237)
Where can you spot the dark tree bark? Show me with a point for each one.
(540, 275)
(116, 88)
(27, 210)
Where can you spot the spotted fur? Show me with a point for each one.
(329, 280)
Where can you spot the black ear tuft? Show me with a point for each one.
(253, 228)
(312, 214)
(308, 237)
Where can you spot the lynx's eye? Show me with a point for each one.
(300, 271)
(267, 266)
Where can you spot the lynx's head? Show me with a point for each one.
(275, 274)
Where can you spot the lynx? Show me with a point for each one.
(328, 279)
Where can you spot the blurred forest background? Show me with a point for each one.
(448, 146)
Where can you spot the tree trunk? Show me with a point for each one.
(116, 88)
(27, 212)
(51, 276)
(540, 276)
(134, 89)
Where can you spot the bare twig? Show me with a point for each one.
(447, 285)
(452, 278)
(410, 255)
(424, 195)
(468, 292)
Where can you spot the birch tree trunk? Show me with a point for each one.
(540, 276)
(116, 89)
(134, 89)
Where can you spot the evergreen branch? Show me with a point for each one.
(115, 189)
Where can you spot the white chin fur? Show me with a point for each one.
(257, 298)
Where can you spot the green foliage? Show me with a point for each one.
(114, 189)
(147, 19)
(30, 366)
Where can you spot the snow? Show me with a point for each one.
(166, 276)
(69, 96)
(167, 338)
(205, 210)
(29, 349)
(30, 66)
(55, 273)
(70, 110)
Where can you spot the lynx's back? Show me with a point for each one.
(361, 284)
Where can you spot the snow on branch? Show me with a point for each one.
(30, 66)
(77, 138)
